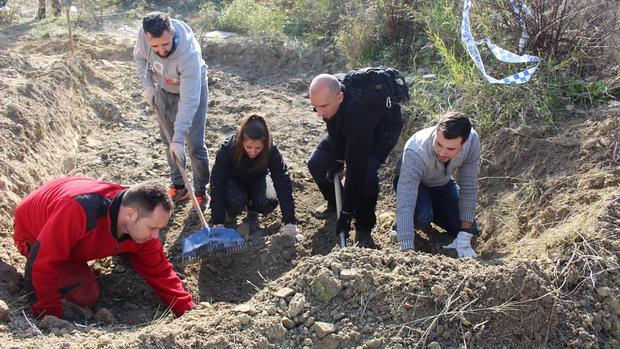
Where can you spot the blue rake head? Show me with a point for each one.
(211, 242)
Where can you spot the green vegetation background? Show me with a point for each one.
(422, 39)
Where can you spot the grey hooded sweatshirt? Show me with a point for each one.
(184, 72)
(421, 165)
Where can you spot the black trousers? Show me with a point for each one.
(258, 195)
(321, 160)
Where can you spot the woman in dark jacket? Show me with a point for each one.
(249, 172)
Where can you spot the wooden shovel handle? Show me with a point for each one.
(186, 180)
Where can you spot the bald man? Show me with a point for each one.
(359, 136)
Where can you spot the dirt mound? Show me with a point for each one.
(268, 60)
(358, 297)
(43, 121)
(376, 299)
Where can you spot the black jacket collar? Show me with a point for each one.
(115, 207)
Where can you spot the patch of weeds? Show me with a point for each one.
(252, 17)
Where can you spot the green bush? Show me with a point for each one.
(380, 32)
(358, 37)
(455, 82)
(312, 21)
(252, 17)
(209, 17)
(423, 37)
(367, 31)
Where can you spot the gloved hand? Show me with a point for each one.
(336, 167)
(344, 223)
(149, 95)
(177, 150)
(462, 244)
(290, 230)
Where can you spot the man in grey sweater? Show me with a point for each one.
(427, 193)
(174, 77)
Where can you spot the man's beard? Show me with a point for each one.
(165, 55)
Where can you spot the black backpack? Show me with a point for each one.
(375, 85)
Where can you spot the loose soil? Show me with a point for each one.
(549, 213)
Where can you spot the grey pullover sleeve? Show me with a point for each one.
(406, 197)
(468, 182)
(140, 58)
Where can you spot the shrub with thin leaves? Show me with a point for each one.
(312, 21)
(456, 84)
(574, 33)
(380, 32)
(252, 17)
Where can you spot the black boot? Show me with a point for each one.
(363, 239)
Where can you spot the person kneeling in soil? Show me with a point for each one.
(360, 136)
(249, 171)
(427, 193)
(71, 220)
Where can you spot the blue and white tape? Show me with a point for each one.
(501, 54)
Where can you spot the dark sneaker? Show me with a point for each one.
(202, 201)
(178, 195)
(325, 211)
(364, 239)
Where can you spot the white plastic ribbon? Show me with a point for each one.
(501, 54)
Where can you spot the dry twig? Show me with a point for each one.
(36, 329)
(588, 261)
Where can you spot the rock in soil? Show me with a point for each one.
(296, 305)
(105, 316)
(322, 329)
(50, 322)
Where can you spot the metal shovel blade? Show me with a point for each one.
(211, 242)
(338, 192)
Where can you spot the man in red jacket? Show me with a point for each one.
(72, 220)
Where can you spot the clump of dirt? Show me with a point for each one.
(549, 215)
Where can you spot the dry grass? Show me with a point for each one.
(454, 309)
(587, 262)
(538, 221)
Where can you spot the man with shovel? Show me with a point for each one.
(174, 77)
(72, 220)
(360, 135)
